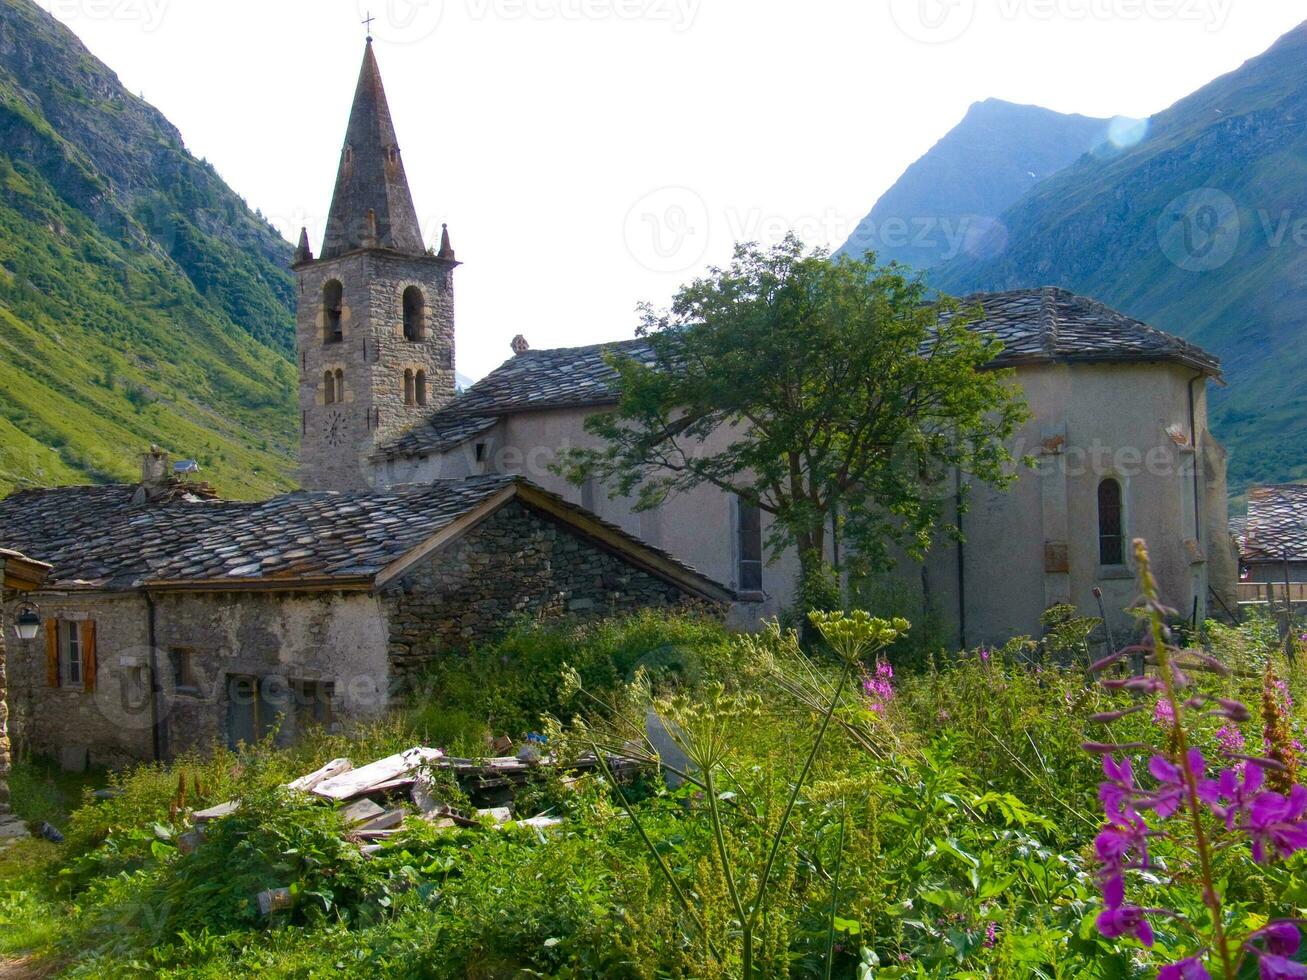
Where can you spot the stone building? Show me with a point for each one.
(1273, 538)
(18, 575)
(306, 608)
(1119, 428)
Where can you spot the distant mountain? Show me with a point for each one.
(141, 301)
(1201, 230)
(948, 202)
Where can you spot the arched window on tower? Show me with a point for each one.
(340, 385)
(333, 310)
(328, 389)
(415, 305)
(1111, 524)
(408, 387)
(420, 382)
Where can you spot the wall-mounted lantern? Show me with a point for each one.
(28, 621)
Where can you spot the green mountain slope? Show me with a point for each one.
(947, 201)
(1201, 230)
(140, 299)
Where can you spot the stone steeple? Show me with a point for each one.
(372, 206)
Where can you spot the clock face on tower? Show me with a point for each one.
(334, 429)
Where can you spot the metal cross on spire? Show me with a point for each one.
(368, 24)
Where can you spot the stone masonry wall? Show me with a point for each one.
(112, 722)
(337, 439)
(516, 563)
(280, 638)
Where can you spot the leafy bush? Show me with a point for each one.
(509, 688)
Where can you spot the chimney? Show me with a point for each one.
(520, 346)
(154, 468)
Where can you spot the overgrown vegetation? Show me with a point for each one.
(944, 826)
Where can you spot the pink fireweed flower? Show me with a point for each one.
(1166, 799)
(877, 686)
(1190, 969)
(1238, 786)
(1275, 824)
(1280, 938)
(1272, 967)
(1127, 921)
(1230, 739)
(1164, 715)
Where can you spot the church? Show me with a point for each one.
(429, 519)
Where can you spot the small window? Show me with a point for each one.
(70, 655)
(420, 384)
(409, 396)
(328, 388)
(414, 314)
(481, 452)
(1111, 526)
(182, 662)
(749, 521)
(333, 311)
(340, 385)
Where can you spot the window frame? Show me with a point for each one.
(333, 317)
(70, 643)
(414, 320)
(1111, 527)
(748, 570)
(183, 680)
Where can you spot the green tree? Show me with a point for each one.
(830, 393)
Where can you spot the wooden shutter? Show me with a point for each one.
(52, 652)
(88, 655)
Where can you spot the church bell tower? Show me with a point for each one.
(375, 328)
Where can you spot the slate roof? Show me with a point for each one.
(566, 377)
(373, 178)
(97, 537)
(96, 534)
(1050, 324)
(1277, 522)
(1036, 326)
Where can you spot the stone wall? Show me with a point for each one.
(517, 563)
(285, 640)
(373, 353)
(282, 639)
(112, 722)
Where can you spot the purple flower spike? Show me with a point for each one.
(1272, 967)
(1127, 921)
(1190, 969)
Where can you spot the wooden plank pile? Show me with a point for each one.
(376, 800)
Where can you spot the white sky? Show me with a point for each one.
(589, 154)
